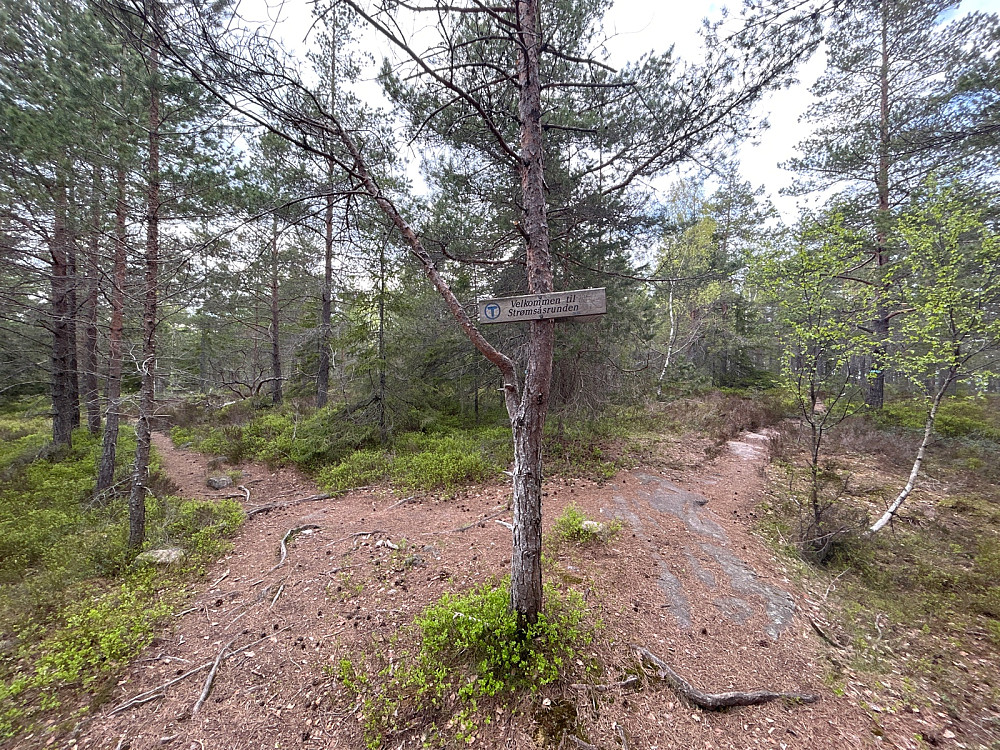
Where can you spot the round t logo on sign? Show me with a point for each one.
(492, 311)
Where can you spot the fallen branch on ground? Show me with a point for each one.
(210, 680)
(289, 535)
(356, 534)
(311, 499)
(154, 693)
(285, 504)
(244, 493)
(716, 700)
(470, 525)
(404, 501)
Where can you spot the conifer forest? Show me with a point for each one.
(450, 373)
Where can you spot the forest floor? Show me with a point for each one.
(687, 578)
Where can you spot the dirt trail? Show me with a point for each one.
(686, 579)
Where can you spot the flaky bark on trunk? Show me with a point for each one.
(113, 389)
(276, 394)
(73, 373)
(911, 481)
(528, 420)
(91, 394)
(147, 395)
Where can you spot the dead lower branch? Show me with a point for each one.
(714, 701)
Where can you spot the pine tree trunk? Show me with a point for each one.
(113, 389)
(276, 394)
(147, 395)
(323, 373)
(62, 343)
(875, 397)
(91, 393)
(73, 373)
(529, 420)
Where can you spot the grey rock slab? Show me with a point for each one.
(677, 604)
(667, 497)
(700, 571)
(778, 604)
(734, 608)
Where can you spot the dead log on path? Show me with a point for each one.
(715, 701)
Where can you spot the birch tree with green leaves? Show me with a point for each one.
(948, 281)
(817, 327)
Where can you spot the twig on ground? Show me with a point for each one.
(289, 535)
(469, 525)
(824, 635)
(578, 742)
(505, 523)
(210, 679)
(834, 581)
(244, 493)
(223, 577)
(621, 736)
(149, 695)
(311, 499)
(275, 599)
(356, 534)
(715, 700)
(404, 501)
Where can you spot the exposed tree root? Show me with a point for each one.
(715, 700)
(630, 681)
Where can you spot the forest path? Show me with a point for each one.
(686, 579)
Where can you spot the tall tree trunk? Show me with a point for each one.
(326, 311)
(383, 428)
(276, 394)
(62, 343)
(147, 395)
(529, 419)
(91, 393)
(875, 397)
(113, 389)
(73, 373)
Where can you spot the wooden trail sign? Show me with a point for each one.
(574, 303)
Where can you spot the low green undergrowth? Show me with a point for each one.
(470, 652)
(73, 607)
(420, 461)
(573, 525)
(959, 417)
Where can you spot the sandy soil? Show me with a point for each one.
(686, 578)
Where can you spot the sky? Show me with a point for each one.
(635, 27)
